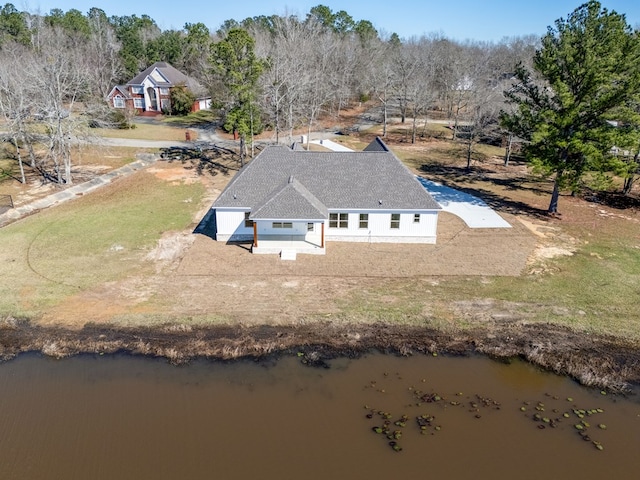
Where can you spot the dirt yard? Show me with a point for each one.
(195, 276)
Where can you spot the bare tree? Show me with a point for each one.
(102, 54)
(483, 95)
(60, 78)
(419, 87)
(15, 104)
(283, 80)
(317, 92)
(383, 78)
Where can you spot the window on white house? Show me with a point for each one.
(118, 102)
(247, 222)
(138, 102)
(395, 220)
(282, 225)
(416, 218)
(338, 220)
(364, 220)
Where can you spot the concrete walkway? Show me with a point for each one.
(331, 145)
(72, 192)
(472, 210)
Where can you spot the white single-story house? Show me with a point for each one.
(296, 200)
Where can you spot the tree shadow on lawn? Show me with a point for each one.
(449, 175)
(493, 199)
(204, 158)
(616, 200)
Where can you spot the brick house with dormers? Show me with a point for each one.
(149, 92)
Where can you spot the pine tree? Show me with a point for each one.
(587, 70)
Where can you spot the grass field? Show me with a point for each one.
(145, 131)
(93, 240)
(99, 240)
(168, 128)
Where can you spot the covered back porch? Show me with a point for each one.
(288, 238)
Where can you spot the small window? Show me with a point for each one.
(164, 91)
(137, 90)
(118, 102)
(338, 220)
(165, 103)
(364, 220)
(247, 222)
(138, 102)
(395, 220)
(310, 227)
(416, 218)
(282, 225)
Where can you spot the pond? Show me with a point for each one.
(124, 417)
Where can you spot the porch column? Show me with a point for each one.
(322, 236)
(255, 234)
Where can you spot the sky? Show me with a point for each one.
(488, 20)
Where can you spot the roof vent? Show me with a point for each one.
(379, 202)
(291, 179)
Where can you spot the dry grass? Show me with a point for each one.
(96, 239)
(147, 131)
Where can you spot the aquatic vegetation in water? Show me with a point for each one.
(551, 414)
(578, 415)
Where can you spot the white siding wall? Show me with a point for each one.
(380, 230)
(265, 228)
(230, 223)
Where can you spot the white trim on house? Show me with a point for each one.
(282, 192)
(379, 228)
(119, 101)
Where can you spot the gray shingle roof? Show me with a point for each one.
(294, 202)
(376, 145)
(369, 180)
(172, 74)
(123, 90)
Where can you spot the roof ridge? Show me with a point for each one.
(301, 192)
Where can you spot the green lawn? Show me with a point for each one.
(144, 131)
(98, 238)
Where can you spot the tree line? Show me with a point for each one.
(284, 72)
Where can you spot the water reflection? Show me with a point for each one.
(122, 417)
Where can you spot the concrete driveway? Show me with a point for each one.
(472, 210)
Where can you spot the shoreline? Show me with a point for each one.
(597, 361)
